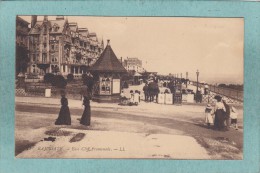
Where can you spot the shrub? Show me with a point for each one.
(59, 81)
(125, 85)
(84, 75)
(49, 77)
(70, 77)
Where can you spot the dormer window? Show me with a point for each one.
(55, 27)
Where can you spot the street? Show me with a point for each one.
(34, 122)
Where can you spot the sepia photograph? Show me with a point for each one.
(99, 87)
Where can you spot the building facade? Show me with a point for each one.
(133, 64)
(22, 30)
(58, 46)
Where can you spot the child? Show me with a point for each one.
(123, 99)
(131, 98)
(208, 115)
(136, 97)
(233, 116)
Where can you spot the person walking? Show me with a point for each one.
(64, 114)
(86, 116)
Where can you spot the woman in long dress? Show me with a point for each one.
(64, 114)
(219, 114)
(85, 119)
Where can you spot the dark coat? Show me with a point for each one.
(145, 89)
(219, 119)
(227, 107)
(85, 119)
(64, 114)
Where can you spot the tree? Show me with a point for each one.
(70, 77)
(49, 77)
(222, 85)
(59, 81)
(22, 59)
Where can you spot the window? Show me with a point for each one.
(34, 57)
(105, 87)
(44, 57)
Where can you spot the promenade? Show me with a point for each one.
(149, 130)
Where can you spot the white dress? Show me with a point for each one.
(209, 117)
(136, 98)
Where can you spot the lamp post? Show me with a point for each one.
(197, 93)
(197, 79)
(186, 79)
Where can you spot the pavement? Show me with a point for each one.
(111, 144)
(115, 136)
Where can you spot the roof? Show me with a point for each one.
(73, 26)
(92, 34)
(83, 31)
(59, 23)
(108, 62)
(22, 20)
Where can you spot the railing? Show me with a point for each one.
(231, 93)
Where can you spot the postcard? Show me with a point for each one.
(98, 87)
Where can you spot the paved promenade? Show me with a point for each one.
(149, 130)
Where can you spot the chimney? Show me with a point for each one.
(33, 20)
(121, 60)
(60, 18)
(45, 18)
(108, 44)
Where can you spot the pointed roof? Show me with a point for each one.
(108, 62)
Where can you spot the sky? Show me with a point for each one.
(213, 46)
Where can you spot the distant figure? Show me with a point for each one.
(227, 114)
(233, 116)
(208, 115)
(146, 92)
(125, 85)
(123, 99)
(206, 90)
(64, 114)
(166, 91)
(153, 89)
(164, 84)
(136, 97)
(89, 81)
(86, 116)
(198, 97)
(131, 97)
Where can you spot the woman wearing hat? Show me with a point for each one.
(86, 116)
(64, 114)
(219, 111)
(208, 115)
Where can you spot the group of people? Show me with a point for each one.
(133, 98)
(220, 115)
(151, 91)
(64, 117)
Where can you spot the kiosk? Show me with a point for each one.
(107, 73)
